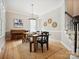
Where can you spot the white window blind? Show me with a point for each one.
(32, 25)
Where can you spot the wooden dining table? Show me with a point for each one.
(34, 37)
(35, 42)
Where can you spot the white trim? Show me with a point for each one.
(0, 50)
(73, 57)
(2, 43)
(2, 47)
(67, 47)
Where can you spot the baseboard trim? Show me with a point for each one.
(67, 47)
(2, 49)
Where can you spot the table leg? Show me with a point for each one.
(23, 39)
(35, 43)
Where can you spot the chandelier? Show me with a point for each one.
(32, 17)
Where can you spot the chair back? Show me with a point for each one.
(45, 33)
(45, 36)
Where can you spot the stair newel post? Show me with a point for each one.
(75, 39)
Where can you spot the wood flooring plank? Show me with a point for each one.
(19, 50)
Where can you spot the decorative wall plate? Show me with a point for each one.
(45, 23)
(54, 24)
(49, 20)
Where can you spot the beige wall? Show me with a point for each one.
(72, 7)
(69, 6)
(76, 7)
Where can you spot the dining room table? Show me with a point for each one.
(34, 39)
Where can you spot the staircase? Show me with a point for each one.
(72, 30)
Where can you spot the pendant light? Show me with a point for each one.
(32, 18)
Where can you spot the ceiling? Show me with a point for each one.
(40, 6)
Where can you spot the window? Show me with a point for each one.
(32, 25)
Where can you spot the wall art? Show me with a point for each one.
(54, 24)
(49, 20)
(18, 23)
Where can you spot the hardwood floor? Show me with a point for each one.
(19, 50)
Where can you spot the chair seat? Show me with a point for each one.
(39, 41)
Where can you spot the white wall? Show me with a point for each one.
(11, 16)
(57, 16)
(2, 17)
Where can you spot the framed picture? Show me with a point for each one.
(18, 23)
(49, 20)
(54, 24)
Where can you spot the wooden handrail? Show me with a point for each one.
(68, 14)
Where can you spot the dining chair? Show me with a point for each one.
(31, 42)
(43, 39)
